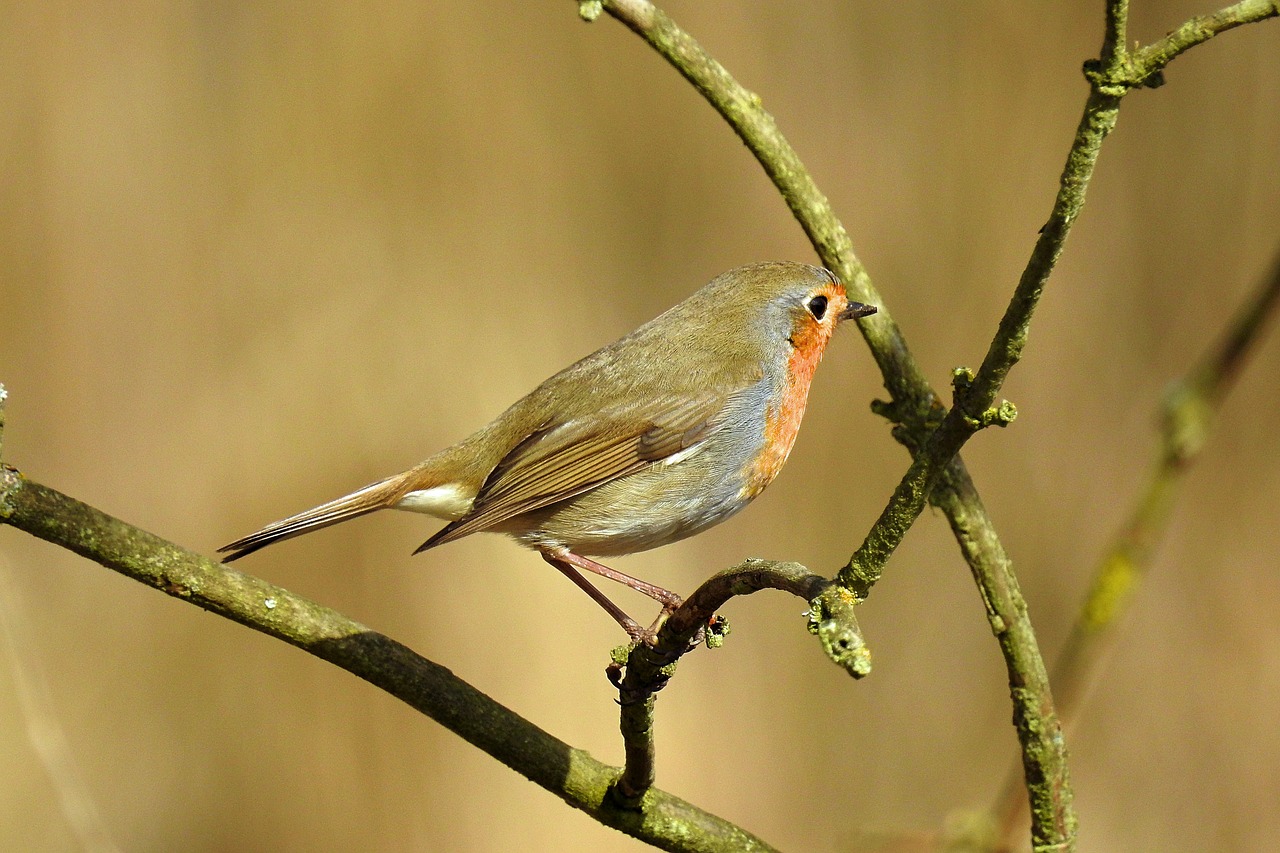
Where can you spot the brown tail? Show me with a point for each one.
(374, 496)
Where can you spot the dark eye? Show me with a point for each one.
(818, 307)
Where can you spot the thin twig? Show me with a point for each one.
(1146, 62)
(1045, 771)
(1111, 76)
(1188, 410)
(663, 820)
(648, 667)
(1115, 34)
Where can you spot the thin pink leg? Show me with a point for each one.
(668, 599)
(631, 626)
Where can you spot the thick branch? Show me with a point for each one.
(573, 775)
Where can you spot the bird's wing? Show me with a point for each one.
(561, 460)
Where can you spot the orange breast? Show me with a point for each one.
(782, 420)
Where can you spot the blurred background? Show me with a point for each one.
(253, 256)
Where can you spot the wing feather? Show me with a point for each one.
(558, 461)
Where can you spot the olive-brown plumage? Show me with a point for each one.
(650, 439)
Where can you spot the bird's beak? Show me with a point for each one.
(857, 309)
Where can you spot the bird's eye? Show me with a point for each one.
(818, 307)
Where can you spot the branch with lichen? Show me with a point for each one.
(583, 782)
(932, 433)
(1144, 66)
(934, 439)
(1187, 412)
(939, 475)
(624, 799)
(648, 667)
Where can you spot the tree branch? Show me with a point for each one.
(1147, 62)
(744, 112)
(649, 667)
(936, 472)
(660, 819)
(1188, 409)
(1115, 33)
(916, 407)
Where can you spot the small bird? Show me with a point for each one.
(655, 437)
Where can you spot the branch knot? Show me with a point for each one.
(832, 620)
(1002, 415)
(1127, 74)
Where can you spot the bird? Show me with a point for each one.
(651, 439)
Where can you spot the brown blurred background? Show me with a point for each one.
(255, 255)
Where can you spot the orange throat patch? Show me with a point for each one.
(782, 422)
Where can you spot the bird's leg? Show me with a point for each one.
(631, 626)
(668, 599)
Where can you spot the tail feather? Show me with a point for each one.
(375, 496)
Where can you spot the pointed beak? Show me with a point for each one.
(857, 309)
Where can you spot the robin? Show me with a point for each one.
(653, 438)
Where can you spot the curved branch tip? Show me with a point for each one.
(832, 621)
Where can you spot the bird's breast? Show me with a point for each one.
(782, 417)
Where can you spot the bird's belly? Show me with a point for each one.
(671, 499)
(635, 513)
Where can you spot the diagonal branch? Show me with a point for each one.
(1188, 409)
(743, 111)
(937, 473)
(662, 820)
(917, 409)
(1146, 62)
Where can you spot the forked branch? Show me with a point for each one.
(936, 472)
